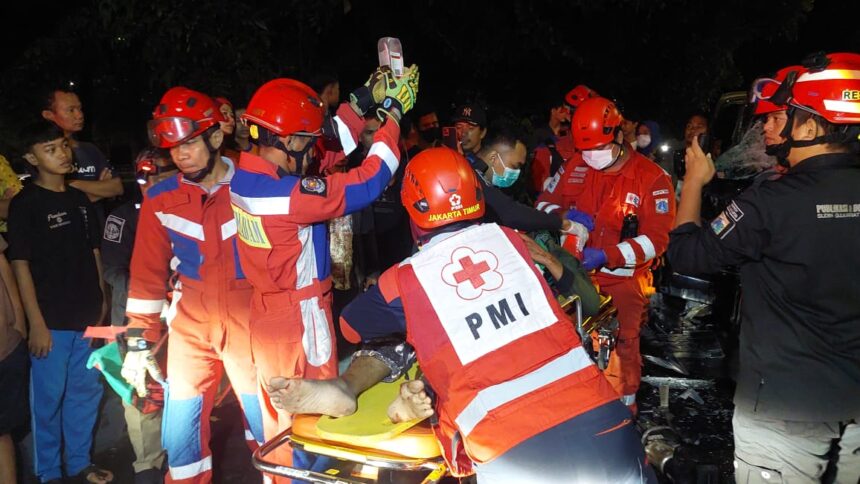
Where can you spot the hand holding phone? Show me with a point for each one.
(451, 139)
(705, 142)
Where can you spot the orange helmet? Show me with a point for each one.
(440, 188)
(285, 107)
(580, 93)
(181, 115)
(595, 122)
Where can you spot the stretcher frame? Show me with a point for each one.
(342, 451)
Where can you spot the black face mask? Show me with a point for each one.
(431, 135)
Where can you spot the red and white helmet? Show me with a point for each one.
(830, 88)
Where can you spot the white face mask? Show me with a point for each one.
(643, 140)
(598, 159)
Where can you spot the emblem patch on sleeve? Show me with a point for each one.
(722, 225)
(113, 229)
(632, 199)
(661, 205)
(313, 185)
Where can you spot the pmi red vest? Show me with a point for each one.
(503, 358)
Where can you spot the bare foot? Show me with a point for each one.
(412, 404)
(326, 397)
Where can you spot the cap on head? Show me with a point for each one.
(471, 113)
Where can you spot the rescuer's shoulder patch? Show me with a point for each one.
(313, 185)
(722, 225)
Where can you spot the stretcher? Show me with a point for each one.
(367, 447)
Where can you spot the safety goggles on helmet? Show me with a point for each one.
(170, 131)
(772, 90)
(762, 89)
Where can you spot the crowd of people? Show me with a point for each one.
(271, 241)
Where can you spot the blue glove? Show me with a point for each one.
(575, 215)
(593, 258)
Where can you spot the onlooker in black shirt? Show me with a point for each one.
(53, 246)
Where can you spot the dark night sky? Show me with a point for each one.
(659, 58)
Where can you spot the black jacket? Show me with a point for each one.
(504, 210)
(796, 240)
(117, 244)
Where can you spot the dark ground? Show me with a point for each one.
(700, 403)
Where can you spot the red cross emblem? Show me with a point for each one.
(472, 272)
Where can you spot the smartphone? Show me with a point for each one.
(705, 142)
(450, 138)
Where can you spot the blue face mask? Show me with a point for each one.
(507, 178)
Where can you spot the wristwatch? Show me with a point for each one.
(138, 344)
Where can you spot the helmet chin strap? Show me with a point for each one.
(198, 176)
(782, 150)
(271, 139)
(299, 155)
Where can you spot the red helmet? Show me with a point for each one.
(221, 100)
(580, 93)
(440, 188)
(763, 89)
(181, 115)
(285, 107)
(830, 88)
(595, 123)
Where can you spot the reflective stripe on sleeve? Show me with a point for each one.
(144, 306)
(382, 150)
(346, 141)
(620, 272)
(629, 256)
(647, 247)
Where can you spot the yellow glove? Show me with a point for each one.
(400, 94)
(140, 361)
(372, 92)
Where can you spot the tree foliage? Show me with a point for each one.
(659, 58)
